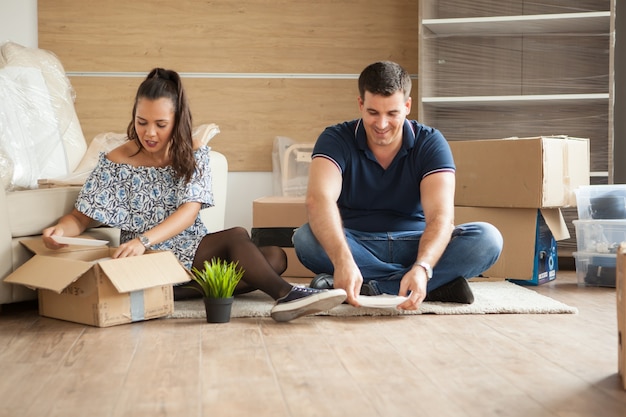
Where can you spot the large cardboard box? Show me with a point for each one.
(274, 220)
(529, 255)
(84, 285)
(537, 172)
(620, 291)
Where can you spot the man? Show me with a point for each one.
(380, 202)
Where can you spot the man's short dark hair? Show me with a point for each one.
(384, 78)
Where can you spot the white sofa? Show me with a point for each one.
(35, 77)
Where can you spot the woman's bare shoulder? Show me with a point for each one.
(122, 154)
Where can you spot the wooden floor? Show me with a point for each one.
(492, 365)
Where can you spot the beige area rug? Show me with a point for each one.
(493, 297)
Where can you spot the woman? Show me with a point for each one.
(153, 187)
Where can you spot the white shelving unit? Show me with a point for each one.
(492, 69)
(583, 22)
(501, 68)
(553, 99)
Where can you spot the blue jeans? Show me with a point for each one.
(384, 257)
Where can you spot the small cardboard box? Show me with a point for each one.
(80, 284)
(529, 255)
(537, 172)
(274, 220)
(620, 291)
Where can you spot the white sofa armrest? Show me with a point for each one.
(6, 258)
(213, 217)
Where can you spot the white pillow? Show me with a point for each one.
(204, 133)
(103, 142)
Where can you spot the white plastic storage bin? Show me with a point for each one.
(601, 202)
(599, 236)
(295, 169)
(291, 162)
(595, 270)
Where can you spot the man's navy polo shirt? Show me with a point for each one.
(374, 199)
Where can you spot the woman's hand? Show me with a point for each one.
(131, 248)
(47, 234)
(70, 225)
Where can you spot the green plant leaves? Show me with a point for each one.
(219, 278)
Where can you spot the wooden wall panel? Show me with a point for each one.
(249, 112)
(102, 45)
(285, 36)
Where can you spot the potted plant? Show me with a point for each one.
(217, 282)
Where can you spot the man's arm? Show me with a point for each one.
(437, 196)
(323, 191)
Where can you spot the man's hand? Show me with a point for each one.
(349, 279)
(414, 282)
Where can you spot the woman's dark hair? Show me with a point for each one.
(384, 78)
(162, 83)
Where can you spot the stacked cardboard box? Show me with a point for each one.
(519, 185)
(274, 220)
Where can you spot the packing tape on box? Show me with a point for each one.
(567, 179)
(137, 308)
(273, 236)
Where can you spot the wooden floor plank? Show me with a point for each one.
(560, 365)
(445, 354)
(237, 376)
(90, 375)
(163, 376)
(30, 357)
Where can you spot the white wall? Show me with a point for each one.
(243, 188)
(18, 23)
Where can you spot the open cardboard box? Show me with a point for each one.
(537, 172)
(82, 284)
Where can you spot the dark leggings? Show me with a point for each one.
(262, 265)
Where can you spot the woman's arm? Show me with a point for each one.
(72, 224)
(173, 225)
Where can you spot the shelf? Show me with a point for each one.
(490, 69)
(516, 100)
(587, 22)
